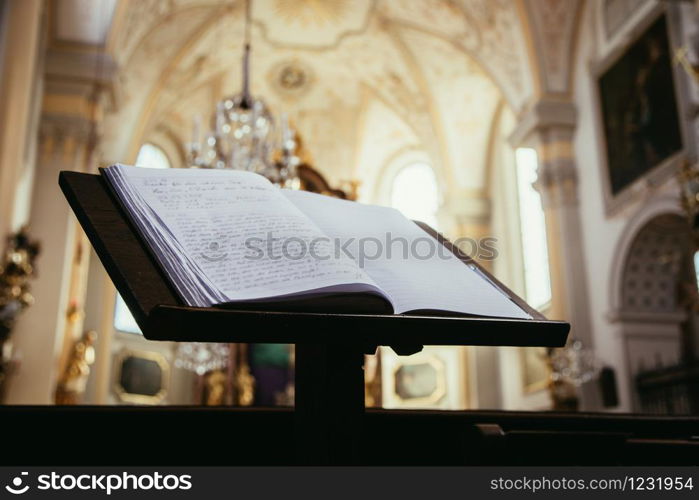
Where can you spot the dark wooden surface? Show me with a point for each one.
(186, 436)
(161, 315)
(182, 323)
(329, 404)
(129, 264)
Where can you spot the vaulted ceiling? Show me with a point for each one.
(362, 80)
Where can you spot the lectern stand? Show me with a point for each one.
(330, 348)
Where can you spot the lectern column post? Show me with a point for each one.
(329, 403)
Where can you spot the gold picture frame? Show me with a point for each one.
(440, 384)
(141, 388)
(432, 379)
(619, 189)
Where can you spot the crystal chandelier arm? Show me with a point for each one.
(243, 133)
(246, 101)
(196, 132)
(194, 147)
(218, 133)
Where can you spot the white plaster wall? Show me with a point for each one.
(602, 235)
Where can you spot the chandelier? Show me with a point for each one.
(244, 135)
(575, 364)
(200, 357)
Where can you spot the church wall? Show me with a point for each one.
(604, 234)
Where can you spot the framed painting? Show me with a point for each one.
(434, 378)
(639, 114)
(141, 377)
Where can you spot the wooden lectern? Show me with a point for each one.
(330, 348)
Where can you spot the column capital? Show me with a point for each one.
(89, 74)
(79, 87)
(466, 213)
(557, 179)
(65, 134)
(548, 125)
(467, 206)
(465, 210)
(541, 115)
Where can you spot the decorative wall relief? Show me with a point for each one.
(73, 382)
(654, 268)
(287, 22)
(17, 268)
(291, 79)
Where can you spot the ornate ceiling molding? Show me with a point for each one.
(554, 28)
(489, 31)
(178, 55)
(79, 24)
(285, 23)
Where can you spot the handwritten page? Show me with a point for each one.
(230, 236)
(410, 266)
(224, 236)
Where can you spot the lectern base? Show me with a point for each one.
(329, 403)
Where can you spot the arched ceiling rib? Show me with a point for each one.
(440, 65)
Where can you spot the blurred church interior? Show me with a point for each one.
(556, 138)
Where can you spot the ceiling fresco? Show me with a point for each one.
(347, 72)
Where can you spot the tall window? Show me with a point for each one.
(533, 225)
(415, 193)
(150, 156)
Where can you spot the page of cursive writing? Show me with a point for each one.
(411, 266)
(235, 228)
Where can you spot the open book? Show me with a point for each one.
(231, 238)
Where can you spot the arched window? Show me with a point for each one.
(150, 156)
(123, 320)
(537, 279)
(415, 193)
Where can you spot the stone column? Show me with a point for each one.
(549, 127)
(466, 215)
(19, 58)
(65, 144)
(69, 130)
